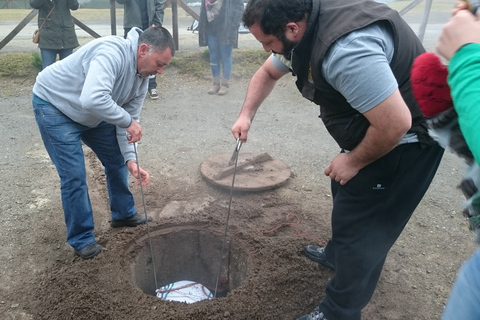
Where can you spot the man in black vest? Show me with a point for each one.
(352, 58)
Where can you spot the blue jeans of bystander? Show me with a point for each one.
(49, 56)
(220, 55)
(464, 300)
(63, 138)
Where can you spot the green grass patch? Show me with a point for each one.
(20, 64)
(197, 64)
(245, 63)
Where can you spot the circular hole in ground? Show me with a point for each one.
(188, 254)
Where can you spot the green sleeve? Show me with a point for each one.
(464, 82)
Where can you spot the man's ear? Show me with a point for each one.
(291, 30)
(143, 49)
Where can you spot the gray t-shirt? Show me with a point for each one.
(357, 66)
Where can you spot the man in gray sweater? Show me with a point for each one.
(95, 96)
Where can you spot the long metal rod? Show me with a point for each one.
(146, 217)
(235, 153)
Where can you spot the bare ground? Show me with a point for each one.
(41, 278)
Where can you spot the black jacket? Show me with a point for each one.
(330, 20)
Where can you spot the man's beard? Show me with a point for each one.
(288, 46)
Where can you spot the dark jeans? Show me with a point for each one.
(368, 215)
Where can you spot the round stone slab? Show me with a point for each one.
(255, 172)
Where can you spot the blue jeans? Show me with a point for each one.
(220, 55)
(63, 138)
(464, 300)
(49, 56)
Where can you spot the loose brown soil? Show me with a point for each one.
(42, 279)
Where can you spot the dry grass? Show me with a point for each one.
(19, 65)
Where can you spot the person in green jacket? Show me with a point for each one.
(57, 35)
(460, 43)
(143, 14)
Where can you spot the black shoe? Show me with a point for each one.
(133, 221)
(89, 251)
(315, 315)
(317, 254)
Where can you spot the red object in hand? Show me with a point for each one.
(429, 84)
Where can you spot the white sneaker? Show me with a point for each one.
(153, 93)
(315, 315)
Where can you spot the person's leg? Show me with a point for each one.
(152, 88)
(62, 139)
(125, 32)
(464, 300)
(152, 83)
(214, 51)
(368, 215)
(48, 57)
(103, 141)
(226, 58)
(63, 53)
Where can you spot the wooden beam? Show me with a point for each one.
(85, 28)
(18, 28)
(188, 10)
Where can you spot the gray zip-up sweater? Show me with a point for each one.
(99, 82)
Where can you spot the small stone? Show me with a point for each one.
(15, 305)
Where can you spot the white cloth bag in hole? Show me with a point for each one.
(184, 291)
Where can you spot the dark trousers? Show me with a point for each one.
(152, 82)
(368, 215)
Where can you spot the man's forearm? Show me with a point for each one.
(261, 85)
(372, 147)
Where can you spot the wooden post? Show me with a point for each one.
(113, 17)
(175, 22)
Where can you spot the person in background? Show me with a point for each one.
(353, 59)
(218, 29)
(94, 97)
(57, 36)
(143, 14)
(459, 43)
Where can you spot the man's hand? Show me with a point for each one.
(340, 169)
(241, 127)
(461, 29)
(134, 132)
(133, 168)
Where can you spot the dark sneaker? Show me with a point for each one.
(133, 221)
(317, 254)
(153, 93)
(315, 315)
(89, 251)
